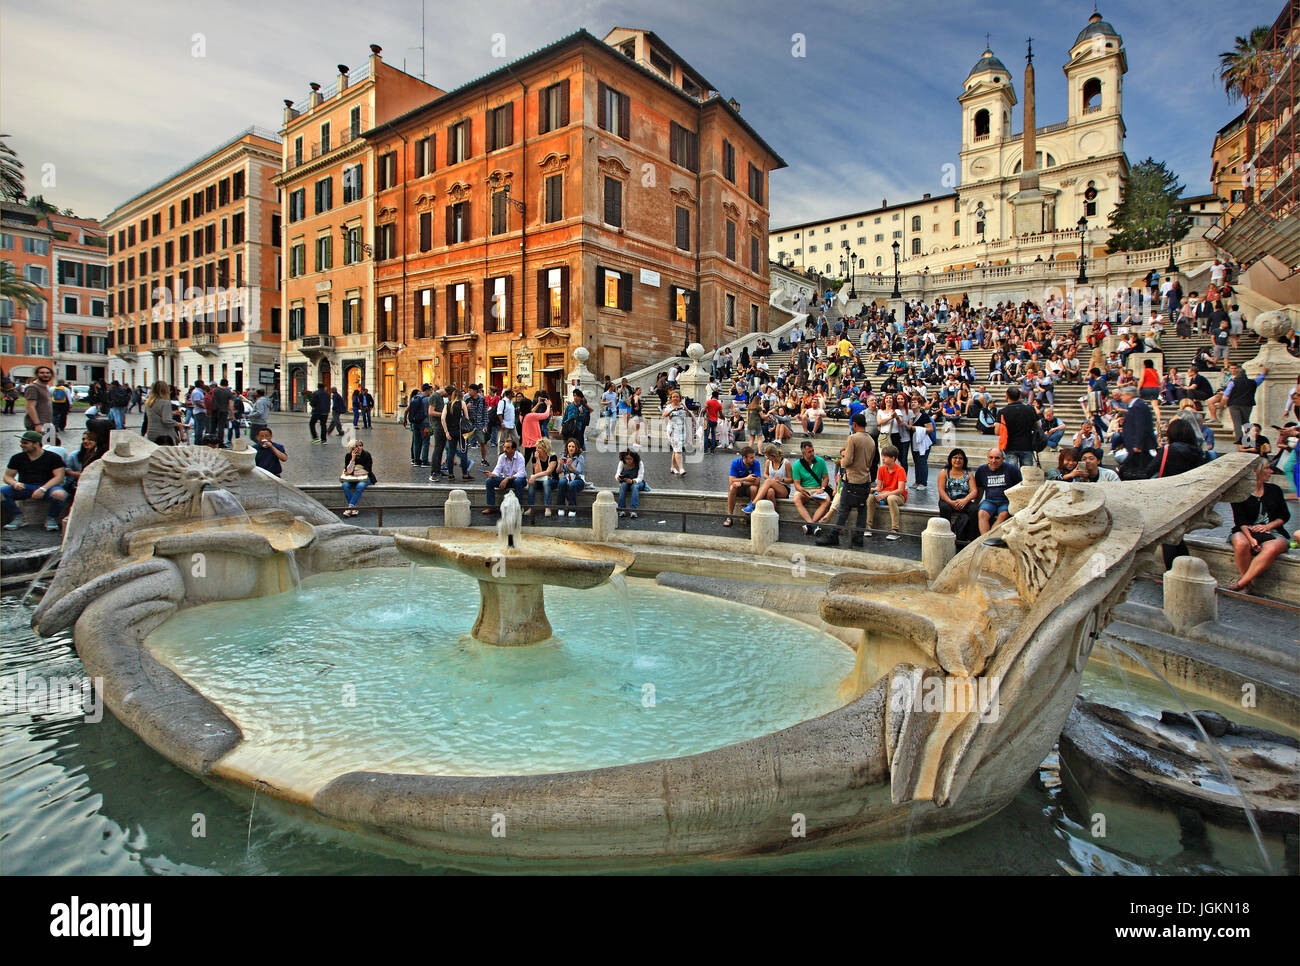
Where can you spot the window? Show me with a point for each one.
(981, 124)
(613, 111)
(39, 274)
(614, 288)
(426, 231)
(70, 273)
(352, 251)
(613, 202)
(385, 241)
(755, 255)
(130, 235)
(155, 223)
(144, 229)
(297, 151)
(753, 318)
(324, 195)
(683, 146)
(458, 223)
(554, 198)
(500, 212)
(553, 107)
(423, 157)
(36, 345)
(681, 304)
(898, 234)
(497, 296)
(459, 143)
(861, 223)
(354, 124)
(916, 246)
(956, 229)
(500, 126)
(423, 316)
(97, 308)
(352, 315)
(756, 184)
(297, 260)
(39, 246)
(457, 309)
(729, 161)
(553, 297)
(386, 175)
(1091, 95)
(323, 318)
(731, 311)
(209, 239)
(862, 239)
(353, 183)
(916, 223)
(879, 237)
(236, 229)
(297, 206)
(896, 216)
(6, 345)
(237, 185)
(826, 231)
(324, 253)
(683, 216)
(169, 252)
(185, 248)
(731, 240)
(210, 197)
(69, 305)
(297, 321)
(153, 258)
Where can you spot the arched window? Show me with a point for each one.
(1091, 95)
(877, 261)
(981, 123)
(862, 263)
(916, 246)
(916, 223)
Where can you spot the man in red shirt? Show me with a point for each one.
(712, 412)
(891, 490)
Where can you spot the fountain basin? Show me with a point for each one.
(512, 610)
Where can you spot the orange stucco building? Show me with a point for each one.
(193, 272)
(327, 181)
(596, 193)
(25, 330)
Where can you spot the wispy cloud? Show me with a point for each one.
(113, 96)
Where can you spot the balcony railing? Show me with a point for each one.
(161, 347)
(127, 353)
(316, 343)
(205, 343)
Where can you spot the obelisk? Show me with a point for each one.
(1028, 201)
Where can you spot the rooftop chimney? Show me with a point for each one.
(315, 98)
(343, 78)
(289, 112)
(926, 196)
(375, 59)
(735, 105)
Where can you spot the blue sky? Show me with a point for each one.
(103, 99)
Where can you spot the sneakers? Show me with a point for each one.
(747, 508)
(622, 514)
(920, 486)
(15, 524)
(484, 462)
(51, 524)
(632, 514)
(892, 535)
(573, 513)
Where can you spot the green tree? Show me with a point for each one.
(14, 286)
(12, 185)
(1141, 220)
(1244, 71)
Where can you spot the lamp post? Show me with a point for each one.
(1171, 219)
(1083, 263)
(896, 294)
(853, 290)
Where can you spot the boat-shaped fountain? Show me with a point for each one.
(934, 699)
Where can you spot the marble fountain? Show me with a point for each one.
(933, 696)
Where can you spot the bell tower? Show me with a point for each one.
(986, 102)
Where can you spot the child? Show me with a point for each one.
(891, 490)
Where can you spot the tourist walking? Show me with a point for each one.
(320, 413)
(163, 426)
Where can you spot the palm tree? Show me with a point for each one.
(14, 286)
(1244, 71)
(12, 186)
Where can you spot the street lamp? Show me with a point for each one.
(1083, 265)
(896, 293)
(1171, 219)
(853, 291)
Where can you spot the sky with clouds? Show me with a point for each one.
(110, 94)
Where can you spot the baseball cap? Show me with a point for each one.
(425, 386)
(31, 436)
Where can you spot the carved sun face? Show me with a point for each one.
(178, 476)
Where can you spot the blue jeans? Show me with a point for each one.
(118, 415)
(200, 427)
(419, 443)
(1021, 457)
(492, 483)
(1054, 440)
(56, 498)
(569, 492)
(456, 448)
(352, 491)
(710, 436)
(922, 469)
(628, 492)
(545, 484)
(365, 418)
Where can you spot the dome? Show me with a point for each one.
(988, 62)
(1096, 28)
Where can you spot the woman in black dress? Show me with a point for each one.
(1258, 537)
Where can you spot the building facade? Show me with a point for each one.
(328, 181)
(194, 275)
(1080, 165)
(26, 329)
(79, 267)
(1228, 165)
(595, 193)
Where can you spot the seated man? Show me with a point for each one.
(34, 474)
(744, 477)
(993, 480)
(1052, 425)
(508, 474)
(891, 490)
(812, 488)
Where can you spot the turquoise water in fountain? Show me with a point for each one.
(374, 670)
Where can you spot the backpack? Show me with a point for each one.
(59, 395)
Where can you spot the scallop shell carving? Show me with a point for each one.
(178, 475)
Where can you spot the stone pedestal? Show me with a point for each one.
(456, 510)
(604, 516)
(580, 377)
(764, 526)
(1189, 594)
(511, 615)
(694, 382)
(1271, 394)
(938, 546)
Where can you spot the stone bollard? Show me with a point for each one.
(764, 526)
(1031, 478)
(938, 546)
(455, 512)
(604, 516)
(1189, 594)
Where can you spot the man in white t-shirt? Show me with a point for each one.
(506, 410)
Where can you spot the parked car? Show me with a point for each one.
(80, 393)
